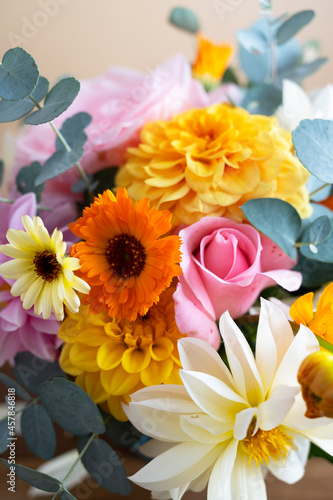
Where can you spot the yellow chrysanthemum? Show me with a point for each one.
(124, 258)
(211, 62)
(45, 277)
(111, 358)
(320, 321)
(211, 161)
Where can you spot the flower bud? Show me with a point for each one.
(315, 376)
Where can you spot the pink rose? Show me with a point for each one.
(120, 102)
(225, 266)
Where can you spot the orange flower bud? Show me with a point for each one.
(315, 376)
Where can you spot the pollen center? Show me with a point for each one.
(126, 255)
(47, 265)
(263, 445)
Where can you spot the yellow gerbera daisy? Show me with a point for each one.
(211, 161)
(45, 277)
(211, 62)
(123, 258)
(320, 320)
(111, 358)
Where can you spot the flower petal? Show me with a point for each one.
(274, 410)
(296, 460)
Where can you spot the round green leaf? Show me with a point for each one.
(103, 464)
(66, 495)
(293, 25)
(18, 74)
(276, 219)
(320, 229)
(32, 371)
(314, 147)
(10, 383)
(4, 435)
(262, 99)
(184, 19)
(56, 102)
(14, 110)
(25, 180)
(71, 407)
(38, 431)
(37, 479)
(322, 251)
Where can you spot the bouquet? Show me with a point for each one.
(166, 265)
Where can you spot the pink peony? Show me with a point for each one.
(225, 266)
(121, 102)
(20, 329)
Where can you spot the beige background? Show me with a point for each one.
(84, 37)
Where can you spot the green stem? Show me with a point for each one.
(323, 343)
(319, 189)
(266, 10)
(88, 443)
(57, 493)
(68, 149)
(40, 207)
(33, 402)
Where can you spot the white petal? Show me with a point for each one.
(33, 292)
(296, 103)
(177, 466)
(274, 410)
(296, 419)
(205, 429)
(247, 481)
(13, 269)
(323, 103)
(197, 355)
(176, 395)
(80, 285)
(242, 423)
(296, 460)
(241, 361)
(303, 344)
(23, 283)
(324, 444)
(213, 396)
(158, 424)
(154, 447)
(220, 475)
(274, 338)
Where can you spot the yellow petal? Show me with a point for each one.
(302, 309)
(156, 372)
(136, 359)
(117, 382)
(161, 348)
(110, 354)
(84, 357)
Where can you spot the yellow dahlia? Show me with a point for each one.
(44, 276)
(211, 161)
(211, 62)
(112, 358)
(123, 258)
(319, 320)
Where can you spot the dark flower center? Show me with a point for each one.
(126, 255)
(46, 265)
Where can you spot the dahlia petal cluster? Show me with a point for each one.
(226, 426)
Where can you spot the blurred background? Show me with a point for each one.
(83, 37)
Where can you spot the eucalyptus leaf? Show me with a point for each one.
(38, 431)
(314, 147)
(105, 179)
(10, 383)
(320, 229)
(314, 273)
(123, 434)
(323, 251)
(18, 74)
(31, 371)
(58, 163)
(262, 99)
(26, 178)
(184, 19)
(4, 435)
(298, 72)
(37, 479)
(14, 110)
(2, 167)
(253, 41)
(276, 219)
(56, 102)
(73, 131)
(71, 407)
(293, 25)
(103, 464)
(313, 184)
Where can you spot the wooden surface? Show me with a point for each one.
(315, 485)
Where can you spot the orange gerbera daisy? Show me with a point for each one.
(123, 258)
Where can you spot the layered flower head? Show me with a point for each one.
(226, 428)
(210, 161)
(123, 258)
(111, 358)
(211, 62)
(44, 276)
(320, 319)
(225, 266)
